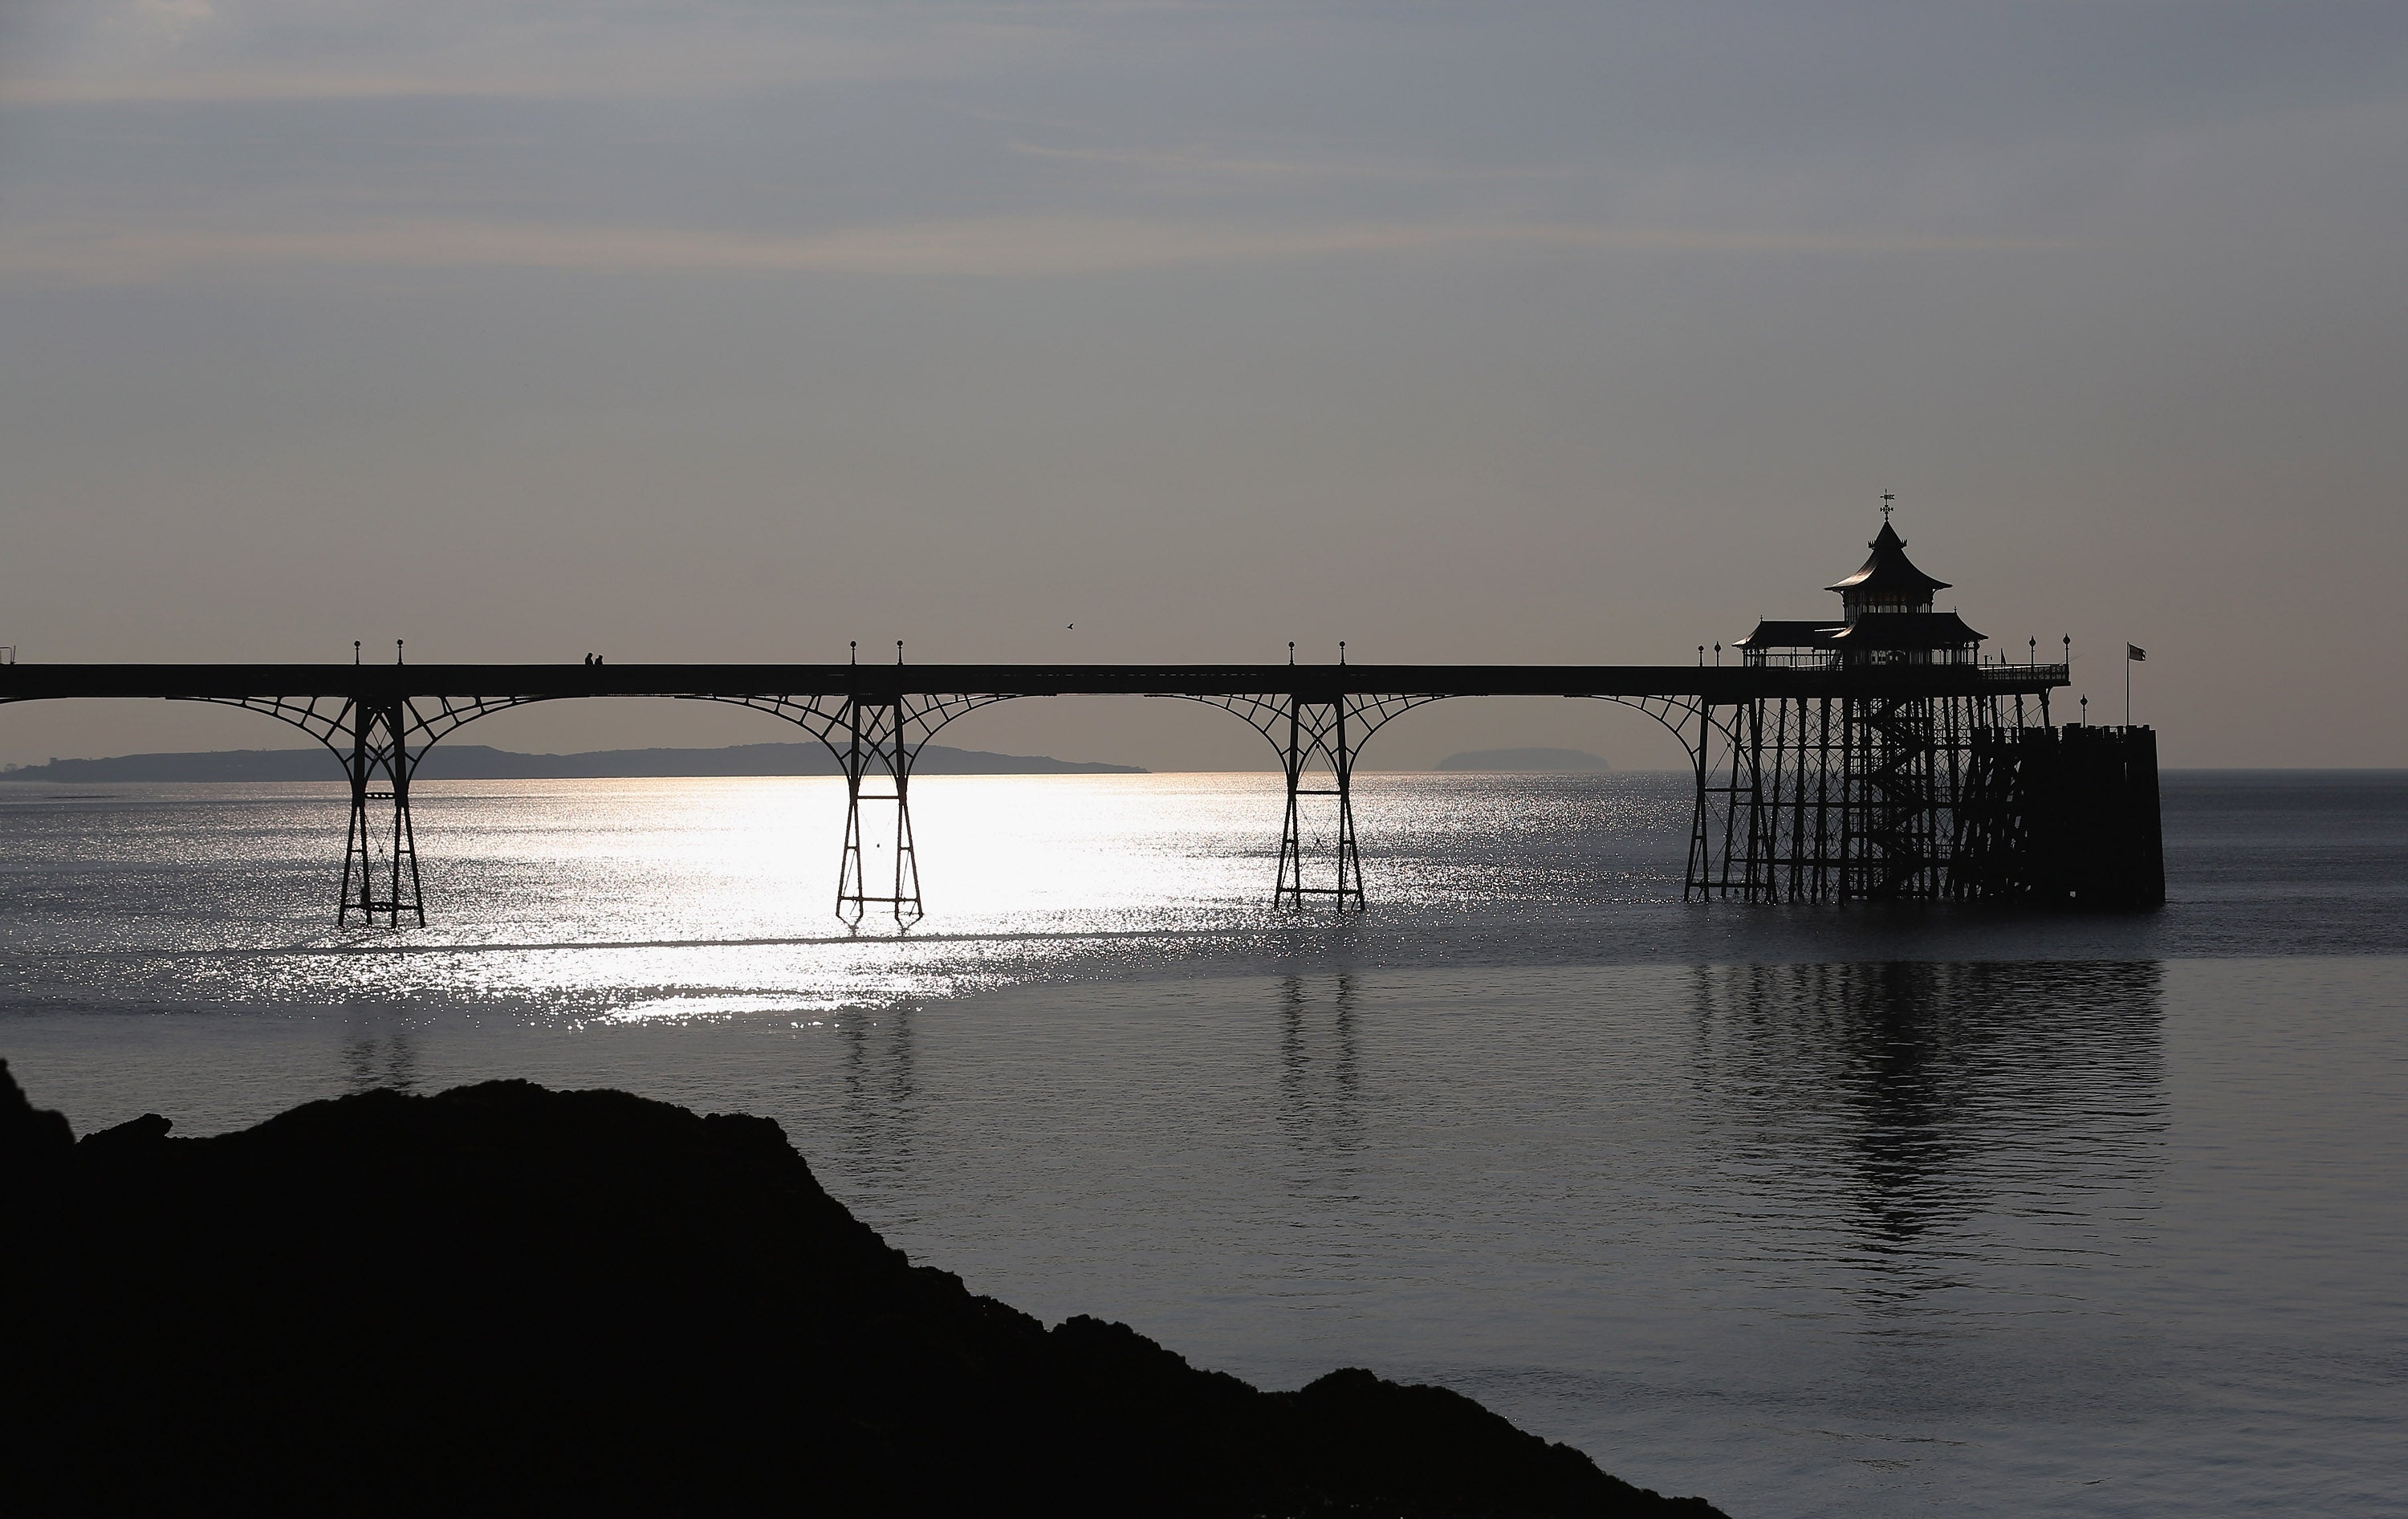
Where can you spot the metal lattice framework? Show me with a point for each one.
(381, 744)
(1322, 737)
(1837, 798)
(378, 743)
(870, 737)
(1694, 722)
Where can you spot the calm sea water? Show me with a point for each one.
(1813, 1212)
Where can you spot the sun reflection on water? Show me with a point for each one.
(672, 899)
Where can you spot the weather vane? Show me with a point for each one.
(1888, 497)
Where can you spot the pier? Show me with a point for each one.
(1874, 757)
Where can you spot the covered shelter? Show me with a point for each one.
(1888, 580)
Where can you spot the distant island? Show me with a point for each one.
(1567, 760)
(478, 762)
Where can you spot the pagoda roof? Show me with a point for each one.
(1905, 630)
(1777, 634)
(1888, 570)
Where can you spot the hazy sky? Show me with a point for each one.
(1472, 332)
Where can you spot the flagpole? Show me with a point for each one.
(2128, 682)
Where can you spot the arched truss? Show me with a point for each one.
(1689, 718)
(334, 722)
(868, 738)
(380, 744)
(1329, 733)
(894, 732)
(871, 739)
(887, 735)
(890, 732)
(1693, 720)
(1312, 736)
(1317, 736)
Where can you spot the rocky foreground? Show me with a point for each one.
(505, 1297)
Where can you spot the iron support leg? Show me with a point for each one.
(877, 742)
(1699, 886)
(1350, 859)
(1289, 892)
(378, 766)
(1305, 737)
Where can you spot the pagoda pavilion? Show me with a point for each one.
(1886, 619)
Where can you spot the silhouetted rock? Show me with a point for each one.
(31, 1139)
(505, 1297)
(134, 1135)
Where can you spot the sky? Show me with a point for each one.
(737, 330)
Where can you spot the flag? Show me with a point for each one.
(2133, 651)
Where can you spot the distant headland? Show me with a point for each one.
(480, 762)
(1527, 761)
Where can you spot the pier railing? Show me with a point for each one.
(2023, 675)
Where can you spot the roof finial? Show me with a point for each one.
(1889, 499)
